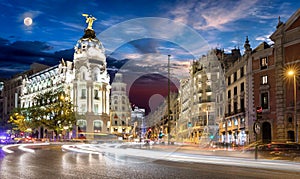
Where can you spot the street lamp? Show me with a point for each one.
(207, 117)
(169, 126)
(293, 73)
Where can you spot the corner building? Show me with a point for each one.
(85, 81)
(90, 88)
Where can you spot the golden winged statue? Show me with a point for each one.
(89, 20)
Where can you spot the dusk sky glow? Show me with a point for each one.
(140, 30)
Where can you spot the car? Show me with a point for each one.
(27, 139)
(278, 150)
(5, 138)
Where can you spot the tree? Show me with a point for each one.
(18, 120)
(52, 110)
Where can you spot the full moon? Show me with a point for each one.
(27, 21)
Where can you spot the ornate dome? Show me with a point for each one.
(87, 41)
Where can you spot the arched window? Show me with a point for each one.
(81, 123)
(98, 125)
(83, 75)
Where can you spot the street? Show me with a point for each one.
(50, 161)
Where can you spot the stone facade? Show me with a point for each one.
(85, 81)
(286, 55)
(120, 108)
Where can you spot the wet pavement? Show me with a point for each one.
(51, 162)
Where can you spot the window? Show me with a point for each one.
(235, 91)
(235, 107)
(229, 108)
(83, 76)
(95, 77)
(264, 80)
(242, 87)
(96, 94)
(265, 100)
(229, 123)
(242, 104)
(96, 108)
(235, 122)
(83, 93)
(263, 63)
(116, 123)
(242, 72)
(229, 94)
(290, 119)
(235, 76)
(229, 80)
(81, 125)
(242, 120)
(98, 124)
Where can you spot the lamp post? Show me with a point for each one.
(207, 117)
(293, 73)
(169, 127)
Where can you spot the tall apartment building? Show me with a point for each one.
(2, 119)
(199, 112)
(234, 127)
(120, 117)
(159, 121)
(184, 123)
(12, 90)
(138, 122)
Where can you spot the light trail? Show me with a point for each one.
(21, 147)
(197, 158)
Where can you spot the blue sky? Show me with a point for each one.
(149, 29)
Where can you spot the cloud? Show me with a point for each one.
(264, 38)
(4, 41)
(211, 15)
(17, 57)
(67, 25)
(34, 46)
(145, 45)
(133, 56)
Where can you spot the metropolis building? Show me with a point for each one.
(85, 81)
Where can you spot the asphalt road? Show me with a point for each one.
(51, 162)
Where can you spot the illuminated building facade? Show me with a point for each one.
(85, 81)
(120, 122)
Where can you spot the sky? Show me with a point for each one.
(138, 35)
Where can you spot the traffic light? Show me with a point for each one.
(258, 113)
